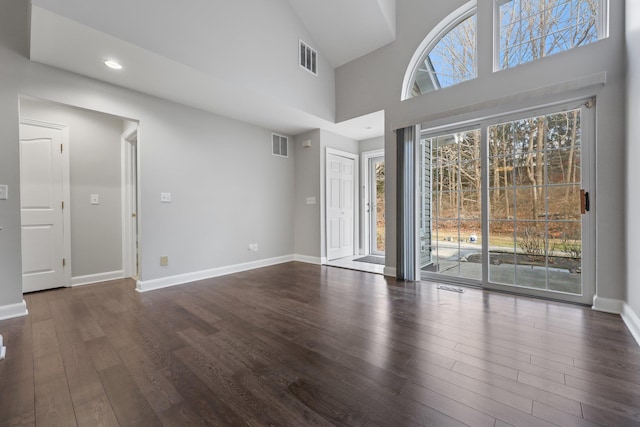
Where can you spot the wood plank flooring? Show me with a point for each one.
(298, 344)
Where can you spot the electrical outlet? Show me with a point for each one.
(4, 192)
(164, 261)
(165, 197)
(95, 199)
(255, 247)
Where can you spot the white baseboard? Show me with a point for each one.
(323, 260)
(97, 278)
(389, 271)
(13, 310)
(608, 305)
(632, 321)
(180, 279)
(308, 259)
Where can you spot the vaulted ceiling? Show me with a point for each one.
(236, 58)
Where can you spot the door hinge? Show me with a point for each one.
(60, 148)
(584, 202)
(64, 262)
(62, 204)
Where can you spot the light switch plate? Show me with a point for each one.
(4, 192)
(95, 199)
(165, 197)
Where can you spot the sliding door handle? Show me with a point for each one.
(584, 202)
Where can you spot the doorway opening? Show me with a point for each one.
(130, 240)
(373, 210)
(374, 204)
(362, 227)
(78, 177)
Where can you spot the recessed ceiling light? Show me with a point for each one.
(368, 128)
(114, 65)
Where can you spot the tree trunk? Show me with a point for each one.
(571, 174)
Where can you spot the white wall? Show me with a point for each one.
(633, 155)
(94, 158)
(374, 82)
(228, 190)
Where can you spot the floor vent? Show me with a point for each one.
(308, 58)
(279, 145)
(451, 288)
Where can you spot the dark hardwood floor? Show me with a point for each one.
(299, 345)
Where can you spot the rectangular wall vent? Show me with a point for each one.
(308, 58)
(279, 145)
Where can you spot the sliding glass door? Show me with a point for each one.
(535, 230)
(503, 204)
(451, 227)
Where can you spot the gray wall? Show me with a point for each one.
(371, 144)
(633, 154)
(94, 158)
(374, 82)
(228, 190)
(307, 184)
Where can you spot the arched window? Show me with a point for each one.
(446, 57)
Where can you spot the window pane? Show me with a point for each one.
(532, 29)
(453, 59)
(531, 261)
(502, 203)
(564, 202)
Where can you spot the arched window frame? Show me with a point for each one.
(435, 35)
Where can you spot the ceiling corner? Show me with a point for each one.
(347, 30)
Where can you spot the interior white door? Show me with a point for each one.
(340, 206)
(42, 195)
(130, 203)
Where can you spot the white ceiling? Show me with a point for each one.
(352, 29)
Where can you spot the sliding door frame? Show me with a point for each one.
(588, 182)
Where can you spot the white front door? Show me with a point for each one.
(340, 206)
(42, 191)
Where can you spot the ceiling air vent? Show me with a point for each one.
(279, 145)
(308, 58)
